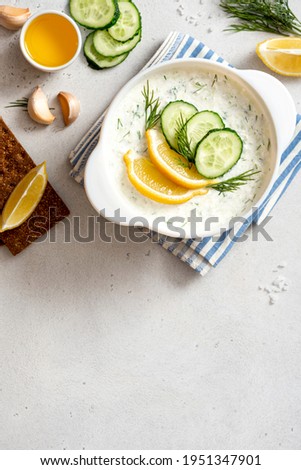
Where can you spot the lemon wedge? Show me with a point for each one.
(150, 182)
(173, 165)
(281, 55)
(24, 198)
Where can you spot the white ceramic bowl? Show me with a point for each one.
(270, 95)
(29, 58)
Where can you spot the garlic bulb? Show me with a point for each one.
(70, 107)
(13, 18)
(38, 108)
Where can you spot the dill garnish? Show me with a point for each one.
(199, 87)
(272, 16)
(152, 105)
(214, 81)
(23, 103)
(184, 164)
(18, 103)
(184, 143)
(232, 184)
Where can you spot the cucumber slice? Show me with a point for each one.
(200, 124)
(218, 152)
(98, 61)
(109, 47)
(128, 23)
(170, 117)
(95, 14)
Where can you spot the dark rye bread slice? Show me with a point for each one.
(15, 163)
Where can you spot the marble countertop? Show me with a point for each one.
(120, 345)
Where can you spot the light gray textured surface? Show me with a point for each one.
(121, 346)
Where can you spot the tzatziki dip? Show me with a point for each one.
(206, 91)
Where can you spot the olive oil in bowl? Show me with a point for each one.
(50, 40)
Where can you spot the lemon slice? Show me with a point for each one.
(24, 198)
(282, 55)
(173, 165)
(150, 182)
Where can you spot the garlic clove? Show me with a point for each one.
(38, 108)
(13, 18)
(70, 106)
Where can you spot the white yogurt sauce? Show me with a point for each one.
(206, 91)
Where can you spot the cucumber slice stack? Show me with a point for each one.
(201, 137)
(118, 30)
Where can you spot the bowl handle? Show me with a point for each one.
(279, 102)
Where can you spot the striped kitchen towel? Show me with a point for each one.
(203, 254)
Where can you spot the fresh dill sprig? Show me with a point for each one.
(183, 164)
(232, 184)
(184, 143)
(152, 105)
(272, 16)
(23, 103)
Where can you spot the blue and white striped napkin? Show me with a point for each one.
(200, 255)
